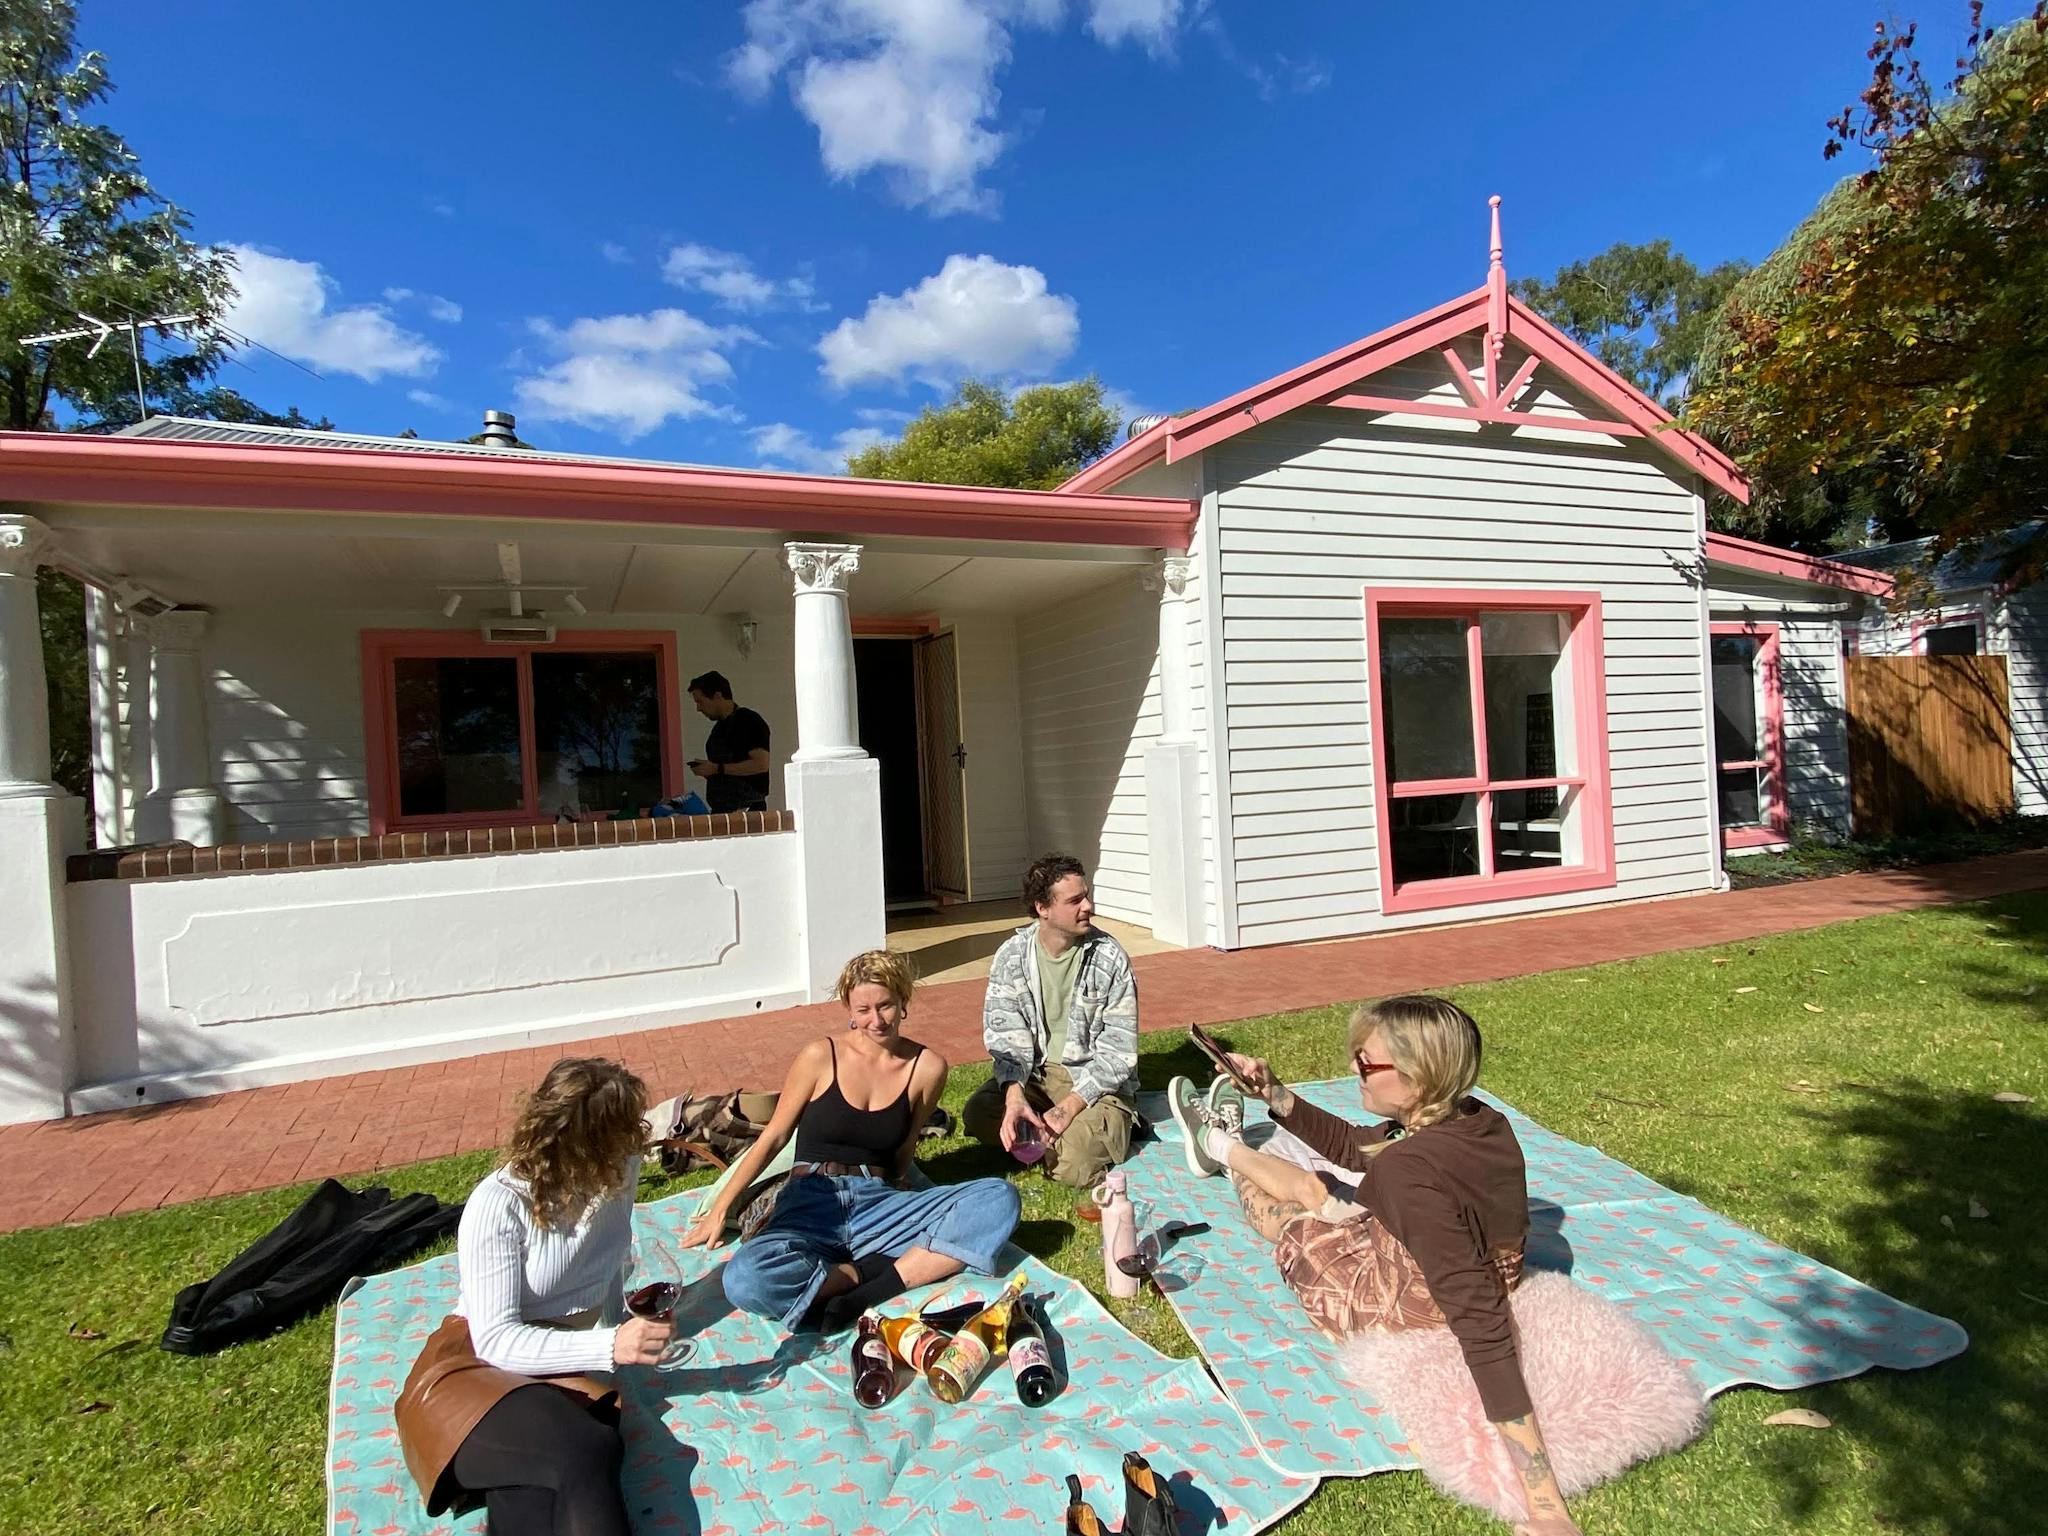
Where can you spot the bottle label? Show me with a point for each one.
(1025, 1353)
(965, 1358)
(874, 1355)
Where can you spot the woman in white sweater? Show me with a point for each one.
(509, 1404)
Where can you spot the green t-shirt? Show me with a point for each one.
(1056, 995)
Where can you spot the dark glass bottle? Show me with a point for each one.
(1030, 1358)
(874, 1368)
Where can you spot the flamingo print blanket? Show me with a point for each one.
(760, 1434)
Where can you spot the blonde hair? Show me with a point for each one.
(1432, 1042)
(575, 1134)
(878, 968)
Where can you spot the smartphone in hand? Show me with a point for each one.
(1212, 1048)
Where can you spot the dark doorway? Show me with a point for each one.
(884, 675)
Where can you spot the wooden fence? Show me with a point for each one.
(1930, 742)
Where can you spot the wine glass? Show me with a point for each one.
(656, 1299)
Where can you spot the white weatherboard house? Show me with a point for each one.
(1428, 629)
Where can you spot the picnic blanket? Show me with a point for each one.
(1732, 1305)
(760, 1433)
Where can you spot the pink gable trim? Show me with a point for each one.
(1478, 311)
(1748, 555)
(68, 468)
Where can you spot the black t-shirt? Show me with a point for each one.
(730, 741)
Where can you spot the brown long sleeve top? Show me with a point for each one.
(1454, 1195)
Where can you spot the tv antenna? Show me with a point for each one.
(100, 330)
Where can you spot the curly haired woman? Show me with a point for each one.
(509, 1404)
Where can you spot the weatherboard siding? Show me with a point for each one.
(1315, 507)
(2020, 630)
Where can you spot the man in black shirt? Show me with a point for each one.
(735, 763)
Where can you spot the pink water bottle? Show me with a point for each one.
(1119, 1233)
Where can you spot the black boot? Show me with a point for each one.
(1081, 1519)
(1149, 1509)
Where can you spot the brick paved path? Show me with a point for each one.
(132, 1160)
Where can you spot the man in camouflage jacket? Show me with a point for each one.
(1061, 1026)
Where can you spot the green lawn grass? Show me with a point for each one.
(1859, 1133)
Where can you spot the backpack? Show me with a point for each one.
(301, 1264)
(687, 1132)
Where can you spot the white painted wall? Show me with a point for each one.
(1314, 507)
(1810, 671)
(197, 985)
(285, 707)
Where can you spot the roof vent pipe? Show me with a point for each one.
(1140, 425)
(497, 432)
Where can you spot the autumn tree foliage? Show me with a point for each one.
(1888, 364)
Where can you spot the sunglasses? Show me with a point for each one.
(1365, 1069)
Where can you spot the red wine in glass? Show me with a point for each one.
(657, 1303)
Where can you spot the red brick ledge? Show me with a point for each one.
(164, 860)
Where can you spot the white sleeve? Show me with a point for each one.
(489, 1250)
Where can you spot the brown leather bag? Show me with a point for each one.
(688, 1132)
(446, 1395)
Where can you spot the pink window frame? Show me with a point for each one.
(381, 648)
(1777, 823)
(1589, 686)
(1949, 620)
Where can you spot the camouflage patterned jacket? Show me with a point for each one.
(1102, 1024)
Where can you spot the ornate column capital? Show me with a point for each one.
(25, 543)
(1170, 575)
(174, 630)
(821, 567)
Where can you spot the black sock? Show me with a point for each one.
(879, 1281)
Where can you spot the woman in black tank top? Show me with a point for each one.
(846, 1234)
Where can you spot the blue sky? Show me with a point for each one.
(756, 233)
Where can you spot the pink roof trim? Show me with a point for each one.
(1748, 555)
(1479, 310)
(67, 468)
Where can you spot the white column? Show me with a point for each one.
(1176, 700)
(827, 712)
(109, 783)
(1173, 786)
(182, 802)
(834, 788)
(24, 691)
(40, 826)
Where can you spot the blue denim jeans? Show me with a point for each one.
(820, 1221)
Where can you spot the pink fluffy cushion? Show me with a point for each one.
(1606, 1395)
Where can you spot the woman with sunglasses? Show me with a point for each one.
(1431, 1233)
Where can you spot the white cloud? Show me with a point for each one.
(283, 304)
(627, 374)
(903, 87)
(731, 279)
(615, 253)
(1149, 23)
(1271, 77)
(976, 315)
(429, 399)
(780, 444)
(875, 416)
(447, 311)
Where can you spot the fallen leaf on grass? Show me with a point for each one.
(1949, 1222)
(1721, 962)
(1802, 1418)
(1740, 990)
(1813, 1007)
(2007, 1096)
(1977, 1210)
(85, 1332)
(1803, 1086)
(1819, 972)
(94, 1407)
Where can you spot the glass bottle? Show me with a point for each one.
(1030, 1357)
(874, 1367)
(913, 1341)
(980, 1339)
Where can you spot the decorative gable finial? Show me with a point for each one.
(1496, 303)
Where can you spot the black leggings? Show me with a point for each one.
(546, 1464)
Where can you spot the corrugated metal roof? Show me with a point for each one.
(1979, 565)
(191, 429)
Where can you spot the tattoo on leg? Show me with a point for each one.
(1534, 1466)
(1268, 1214)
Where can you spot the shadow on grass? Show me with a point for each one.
(1961, 1447)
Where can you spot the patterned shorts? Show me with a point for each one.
(1356, 1275)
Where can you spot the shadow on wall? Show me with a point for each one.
(1087, 711)
(1816, 768)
